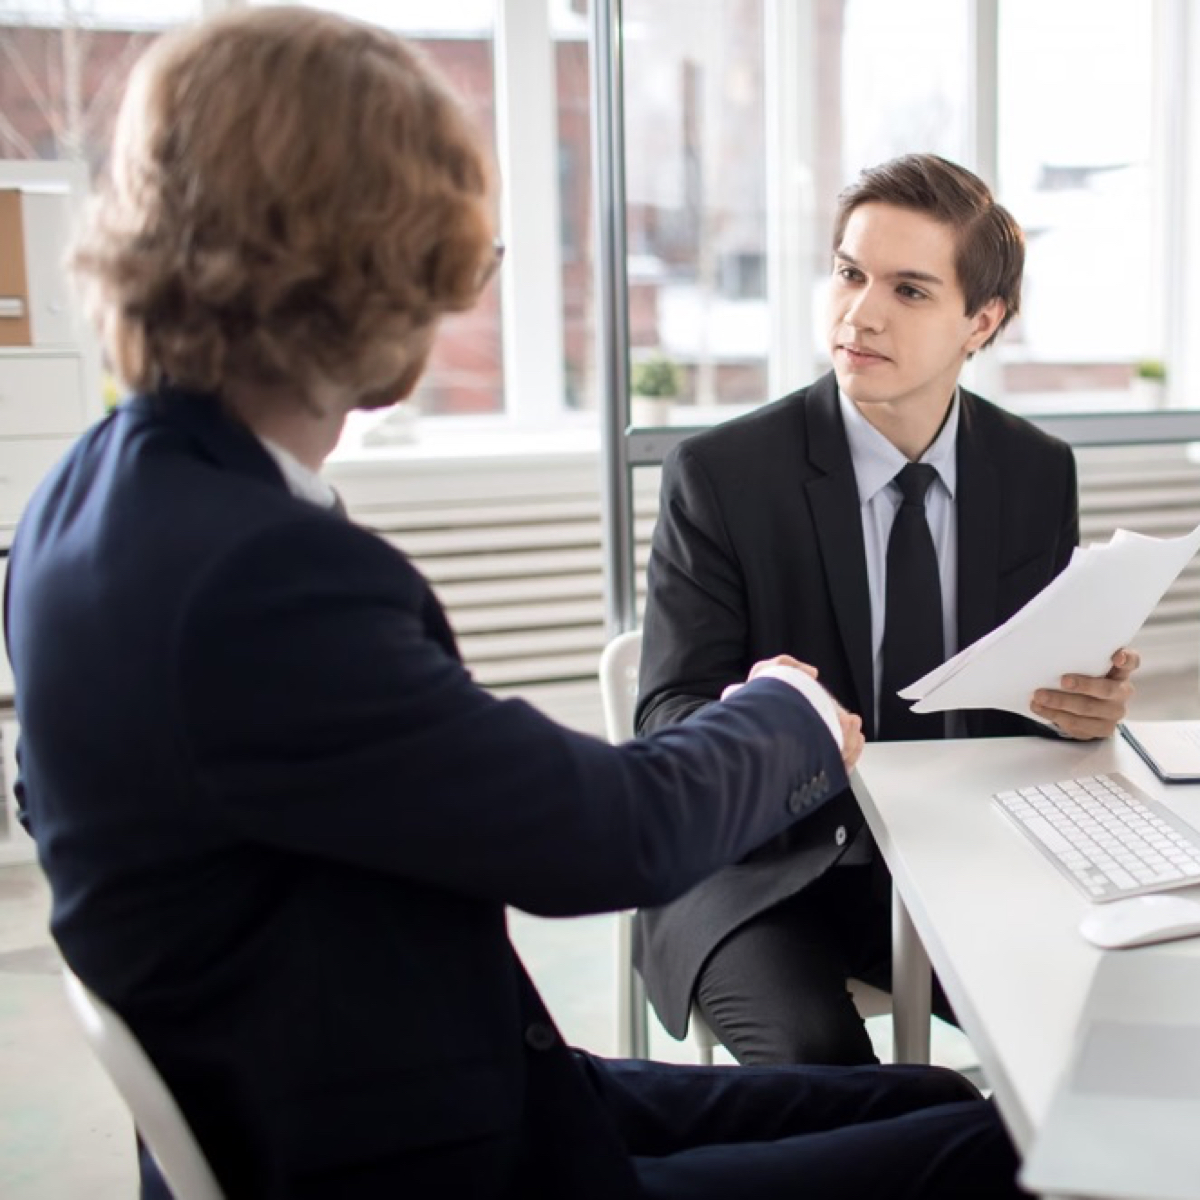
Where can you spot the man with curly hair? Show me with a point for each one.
(280, 821)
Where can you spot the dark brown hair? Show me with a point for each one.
(990, 258)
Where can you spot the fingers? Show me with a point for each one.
(1125, 662)
(1089, 706)
(850, 724)
(1086, 707)
(852, 737)
(782, 660)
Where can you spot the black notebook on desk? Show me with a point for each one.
(1171, 748)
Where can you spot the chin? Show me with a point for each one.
(854, 388)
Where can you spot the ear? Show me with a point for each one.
(985, 323)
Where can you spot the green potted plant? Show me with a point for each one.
(655, 382)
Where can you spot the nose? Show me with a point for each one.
(864, 310)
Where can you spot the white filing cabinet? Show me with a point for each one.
(50, 386)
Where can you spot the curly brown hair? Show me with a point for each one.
(293, 198)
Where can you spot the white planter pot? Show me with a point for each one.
(1149, 393)
(648, 411)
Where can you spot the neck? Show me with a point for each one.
(912, 429)
(306, 428)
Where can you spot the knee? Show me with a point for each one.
(793, 1036)
(928, 1086)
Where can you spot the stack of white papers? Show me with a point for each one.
(1073, 626)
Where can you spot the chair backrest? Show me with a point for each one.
(159, 1122)
(618, 684)
(618, 695)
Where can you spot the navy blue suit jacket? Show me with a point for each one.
(281, 823)
(759, 551)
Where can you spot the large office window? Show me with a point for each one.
(1071, 141)
(1077, 166)
(695, 179)
(63, 67)
(904, 79)
(737, 142)
(1074, 124)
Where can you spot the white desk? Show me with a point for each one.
(998, 922)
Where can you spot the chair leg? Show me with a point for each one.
(633, 1025)
(704, 1038)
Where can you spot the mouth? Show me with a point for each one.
(861, 355)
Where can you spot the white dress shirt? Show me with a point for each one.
(301, 482)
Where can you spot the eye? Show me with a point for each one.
(847, 274)
(911, 293)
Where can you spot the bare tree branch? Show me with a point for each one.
(36, 94)
(115, 77)
(9, 131)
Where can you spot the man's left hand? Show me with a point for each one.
(1089, 706)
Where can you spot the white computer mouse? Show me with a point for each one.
(1140, 920)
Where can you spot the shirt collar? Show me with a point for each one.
(877, 462)
(301, 482)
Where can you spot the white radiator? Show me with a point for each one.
(512, 544)
(1153, 490)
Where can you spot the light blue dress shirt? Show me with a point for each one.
(876, 464)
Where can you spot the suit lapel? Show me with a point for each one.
(978, 506)
(833, 501)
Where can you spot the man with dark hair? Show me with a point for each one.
(869, 525)
(280, 821)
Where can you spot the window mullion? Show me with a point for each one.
(527, 145)
(789, 56)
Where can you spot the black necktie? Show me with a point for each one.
(912, 624)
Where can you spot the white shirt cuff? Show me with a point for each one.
(808, 687)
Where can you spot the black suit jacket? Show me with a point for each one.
(281, 824)
(759, 551)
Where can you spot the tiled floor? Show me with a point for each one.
(63, 1131)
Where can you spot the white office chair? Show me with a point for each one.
(159, 1122)
(618, 695)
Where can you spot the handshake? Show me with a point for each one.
(846, 727)
(1086, 707)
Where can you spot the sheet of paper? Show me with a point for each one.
(1074, 625)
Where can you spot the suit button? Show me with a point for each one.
(840, 835)
(540, 1036)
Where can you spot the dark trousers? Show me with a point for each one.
(764, 1133)
(774, 991)
(824, 1133)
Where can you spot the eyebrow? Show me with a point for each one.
(919, 276)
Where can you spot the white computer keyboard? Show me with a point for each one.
(1106, 835)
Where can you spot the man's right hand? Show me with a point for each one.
(852, 746)
(851, 741)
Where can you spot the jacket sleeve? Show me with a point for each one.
(325, 716)
(1068, 537)
(694, 633)
(1066, 522)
